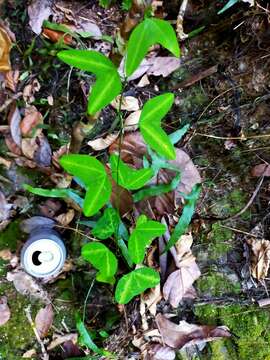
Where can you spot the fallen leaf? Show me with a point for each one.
(60, 339)
(159, 352)
(14, 120)
(103, 143)
(50, 208)
(44, 320)
(66, 218)
(128, 103)
(43, 154)
(131, 123)
(89, 27)
(34, 222)
(163, 66)
(31, 119)
(12, 147)
(150, 299)
(29, 354)
(143, 82)
(4, 310)
(30, 90)
(5, 254)
(55, 36)
(185, 334)
(29, 146)
(180, 281)
(5, 208)
(38, 11)
(5, 162)
(26, 285)
(260, 170)
(5, 46)
(260, 257)
(58, 154)
(11, 79)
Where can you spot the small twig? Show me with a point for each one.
(45, 355)
(239, 231)
(180, 20)
(9, 101)
(243, 137)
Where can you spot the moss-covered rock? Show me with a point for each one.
(10, 236)
(216, 284)
(220, 241)
(249, 326)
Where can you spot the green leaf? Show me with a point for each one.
(229, 4)
(85, 338)
(55, 193)
(134, 283)
(178, 134)
(93, 175)
(186, 216)
(142, 236)
(149, 32)
(102, 259)
(150, 125)
(157, 190)
(108, 84)
(128, 177)
(107, 224)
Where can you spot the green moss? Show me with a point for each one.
(220, 241)
(231, 204)
(16, 336)
(249, 326)
(216, 284)
(10, 236)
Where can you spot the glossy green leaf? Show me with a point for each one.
(108, 84)
(107, 225)
(157, 190)
(93, 174)
(150, 125)
(134, 283)
(102, 259)
(85, 338)
(55, 193)
(185, 217)
(149, 32)
(142, 236)
(128, 177)
(229, 4)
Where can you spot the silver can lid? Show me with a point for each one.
(43, 257)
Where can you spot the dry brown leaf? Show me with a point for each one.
(5, 46)
(129, 103)
(131, 123)
(181, 280)
(143, 82)
(31, 119)
(5, 162)
(57, 155)
(103, 143)
(26, 285)
(12, 147)
(260, 257)
(151, 298)
(4, 311)
(44, 320)
(38, 11)
(260, 170)
(60, 339)
(30, 90)
(55, 36)
(5, 255)
(29, 146)
(11, 79)
(185, 334)
(66, 218)
(43, 154)
(14, 120)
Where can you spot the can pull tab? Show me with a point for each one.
(45, 256)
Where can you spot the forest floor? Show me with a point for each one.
(222, 92)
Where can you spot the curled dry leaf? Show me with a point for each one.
(260, 257)
(30, 90)
(5, 46)
(44, 320)
(260, 170)
(11, 79)
(103, 143)
(150, 299)
(31, 119)
(131, 123)
(129, 103)
(185, 334)
(57, 155)
(14, 120)
(4, 310)
(66, 218)
(55, 36)
(38, 11)
(26, 285)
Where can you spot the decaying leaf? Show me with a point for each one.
(150, 299)
(260, 257)
(44, 320)
(5, 208)
(5, 46)
(26, 285)
(66, 218)
(181, 280)
(159, 352)
(4, 310)
(31, 119)
(103, 143)
(132, 121)
(14, 120)
(55, 36)
(185, 334)
(30, 90)
(60, 339)
(38, 11)
(128, 103)
(260, 170)
(11, 79)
